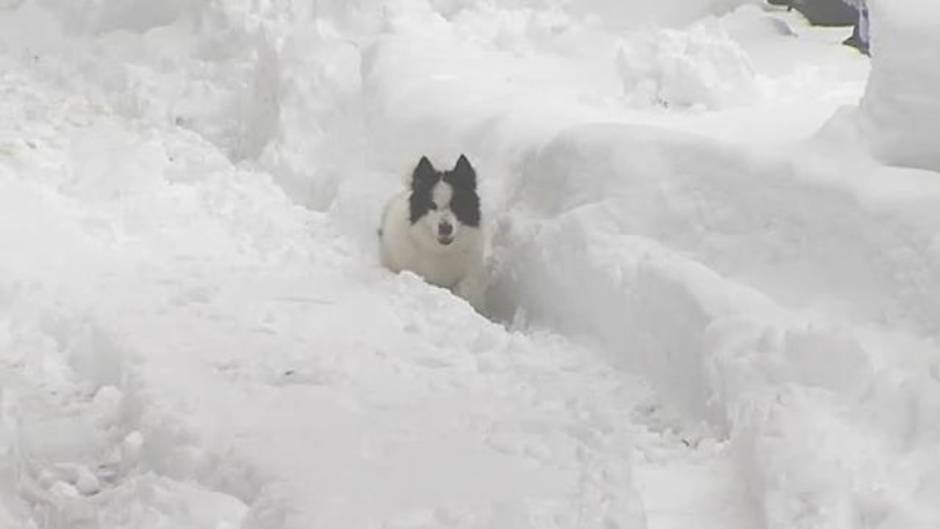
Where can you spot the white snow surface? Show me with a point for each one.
(900, 110)
(714, 303)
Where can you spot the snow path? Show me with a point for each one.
(183, 380)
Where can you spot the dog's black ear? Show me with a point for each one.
(464, 174)
(424, 172)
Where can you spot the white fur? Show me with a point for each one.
(457, 266)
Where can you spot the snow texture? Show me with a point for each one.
(714, 267)
(900, 110)
(701, 66)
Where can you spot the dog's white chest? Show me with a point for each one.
(401, 249)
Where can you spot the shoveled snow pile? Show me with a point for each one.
(701, 314)
(900, 110)
(612, 14)
(692, 265)
(701, 66)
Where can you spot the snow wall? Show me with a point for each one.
(900, 110)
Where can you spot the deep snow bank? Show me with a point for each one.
(764, 304)
(789, 228)
(900, 110)
(265, 82)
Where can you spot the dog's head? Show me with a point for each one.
(444, 204)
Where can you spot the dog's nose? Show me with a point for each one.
(445, 229)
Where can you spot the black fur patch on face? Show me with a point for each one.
(422, 184)
(464, 203)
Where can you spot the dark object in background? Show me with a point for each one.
(859, 38)
(822, 12)
(834, 13)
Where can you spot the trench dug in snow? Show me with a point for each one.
(153, 377)
(262, 381)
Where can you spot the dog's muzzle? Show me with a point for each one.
(445, 233)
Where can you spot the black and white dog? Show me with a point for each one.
(432, 228)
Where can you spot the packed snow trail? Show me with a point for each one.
(747, 336)
(177, 352)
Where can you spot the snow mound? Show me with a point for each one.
(258, 85)
(684, 68)
(613, 14)
(820, 388)
(900, 110)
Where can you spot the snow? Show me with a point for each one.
(701, 66)
(899, 113)
(715, 281)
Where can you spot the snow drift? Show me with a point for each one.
(700, 66)
(643, 257)
(900, 110)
